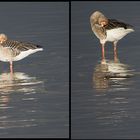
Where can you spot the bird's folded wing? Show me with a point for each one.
(113, 23)
(20, 46)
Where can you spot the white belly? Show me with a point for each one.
(24, 54)
(5, 55)
(117, 34)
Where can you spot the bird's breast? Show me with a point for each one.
(5, 54)
(99, 32)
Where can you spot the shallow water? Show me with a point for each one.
(105, 93)
(34, 101)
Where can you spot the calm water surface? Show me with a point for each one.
(34, 101)
(105, 94)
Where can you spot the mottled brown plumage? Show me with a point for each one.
(108, 30)
(11, 50)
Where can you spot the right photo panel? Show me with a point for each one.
(105, 70)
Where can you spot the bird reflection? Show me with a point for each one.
(19, 82)
(110, 73)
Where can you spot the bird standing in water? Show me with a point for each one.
(108, 30)
(11, 50)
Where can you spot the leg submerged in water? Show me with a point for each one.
(11, 67)
(115, 51)
(103, 51)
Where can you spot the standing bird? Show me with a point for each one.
(11, 50)
(108, 30)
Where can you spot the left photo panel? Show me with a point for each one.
(34, 70)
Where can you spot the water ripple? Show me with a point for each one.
(19, 82)
(112, 76)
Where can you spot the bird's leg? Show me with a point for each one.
(115, 51)
(103, 51)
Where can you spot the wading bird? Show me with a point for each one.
(11, 50)
(108, 30)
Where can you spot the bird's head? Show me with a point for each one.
(3, 38)
(98, 18)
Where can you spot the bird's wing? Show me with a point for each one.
(16, 47)
(113, 23)
(20, 46)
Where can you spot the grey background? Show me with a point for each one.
(36, 102)
(112, 111)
